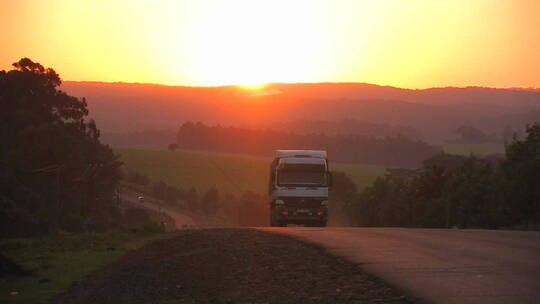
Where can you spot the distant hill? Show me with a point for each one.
(449, 95)
(435, 113)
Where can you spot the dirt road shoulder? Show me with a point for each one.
(231, 266)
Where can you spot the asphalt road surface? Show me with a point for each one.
(441, 265)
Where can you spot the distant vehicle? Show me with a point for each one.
(298, 188)
(141, 199)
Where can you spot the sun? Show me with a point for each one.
(252, 86)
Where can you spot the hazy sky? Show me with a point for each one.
(409, 43)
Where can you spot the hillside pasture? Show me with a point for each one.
(229, 173)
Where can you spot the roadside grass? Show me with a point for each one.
(480, 149)
(58, 261)
(229, 173)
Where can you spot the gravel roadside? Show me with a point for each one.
(230, 266)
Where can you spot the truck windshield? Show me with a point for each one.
(302, 175)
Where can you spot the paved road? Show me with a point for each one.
(439, 265)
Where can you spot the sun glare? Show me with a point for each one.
(252, 86)
(251, 43)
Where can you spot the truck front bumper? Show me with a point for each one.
(300, 216)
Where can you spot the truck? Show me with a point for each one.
(298, 188)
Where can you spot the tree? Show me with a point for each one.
(192, 199)
(391, 151)
(522, 171)
(229, 208)
(210, 202)
(473, 197)
(54, 172)
(342, 196)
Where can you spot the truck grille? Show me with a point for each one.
(302, 202)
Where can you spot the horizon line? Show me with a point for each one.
(293, 83)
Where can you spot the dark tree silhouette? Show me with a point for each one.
(390, 151)
(458, 191)
(54, 172)
(522, 170)
(210, 202)
(192, 199)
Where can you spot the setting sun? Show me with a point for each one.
(253, 87)
(413, 44)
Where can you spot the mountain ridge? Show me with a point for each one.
(437, 112)
(302, 83)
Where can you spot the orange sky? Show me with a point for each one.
(409, 43)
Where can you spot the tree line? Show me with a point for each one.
(347, 126)
(390, 151)
(456, 191)
(472, 135)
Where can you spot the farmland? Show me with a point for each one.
(229, 173)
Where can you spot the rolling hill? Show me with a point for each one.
(434, 113)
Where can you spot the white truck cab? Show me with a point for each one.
(298, 188)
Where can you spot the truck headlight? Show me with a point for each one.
(280, 202)
(324, 203)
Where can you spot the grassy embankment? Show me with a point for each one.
(229, 173)
(58, 261)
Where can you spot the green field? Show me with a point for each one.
(58, 261)
(229, 173)
(478, 149)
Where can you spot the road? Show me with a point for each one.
(441, 265)
(181, 220)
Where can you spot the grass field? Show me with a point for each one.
(478, 149)
(229, 173)
(58, 261)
